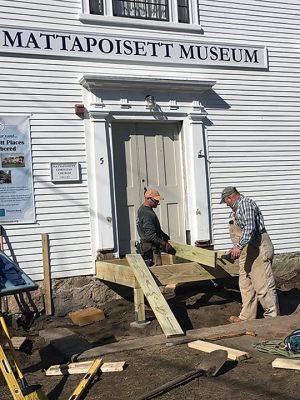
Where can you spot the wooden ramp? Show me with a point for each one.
(160, 307)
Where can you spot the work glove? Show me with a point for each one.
(165, 237)
(170, 249)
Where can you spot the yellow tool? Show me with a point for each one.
(86, 380)
(19, 388)
(16, 381)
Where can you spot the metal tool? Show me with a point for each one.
(226, 257)
(210, 366)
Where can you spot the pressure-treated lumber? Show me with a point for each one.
(160, 307)
(165, 274)
(139, 305)
(191, 272)
(286, 363)
(112, 271)
(197, 254)
(207, 347)
(69, 369)
(47, 275)
(83, 367)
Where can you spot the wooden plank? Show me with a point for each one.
(121, 274)
(118, 261)
(113, 366)
(165, 274)
(83, 367)
(69, 369)
(215, 333)
(197, 254)
(47, 275)
(286, 363)
(160, 307)
(191, 272)
(207, 347)
(167, 259)
(124, 345)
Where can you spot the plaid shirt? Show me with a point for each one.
(249, 218)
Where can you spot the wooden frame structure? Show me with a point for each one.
(134, 273)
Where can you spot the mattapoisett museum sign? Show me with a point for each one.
(129, 49)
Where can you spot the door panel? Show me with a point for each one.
(147, 155)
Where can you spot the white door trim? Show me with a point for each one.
(100, 157)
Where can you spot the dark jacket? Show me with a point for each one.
(148, 227)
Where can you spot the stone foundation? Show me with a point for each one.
(71, 294)
(68, 294)
(285, 265)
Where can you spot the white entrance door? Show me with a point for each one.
(147, 155)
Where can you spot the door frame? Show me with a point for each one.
(121, 106)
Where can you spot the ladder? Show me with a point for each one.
(18, 386)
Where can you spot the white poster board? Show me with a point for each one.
(16, 182)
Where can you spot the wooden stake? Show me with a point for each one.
(47, 274)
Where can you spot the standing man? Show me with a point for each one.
(254, 249)
(153, 239)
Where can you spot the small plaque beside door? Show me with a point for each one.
(65, 172)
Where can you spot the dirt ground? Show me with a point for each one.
(195, 306)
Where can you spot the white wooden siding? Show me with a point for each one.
(253, 137)
(49, 91)
(255, 144)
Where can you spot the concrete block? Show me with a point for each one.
(87, 316)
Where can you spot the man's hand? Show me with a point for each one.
(235, 252)
(170, 249)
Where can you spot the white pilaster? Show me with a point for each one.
(196, 177)
(100, 187)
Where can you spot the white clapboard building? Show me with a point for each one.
(115, 96)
